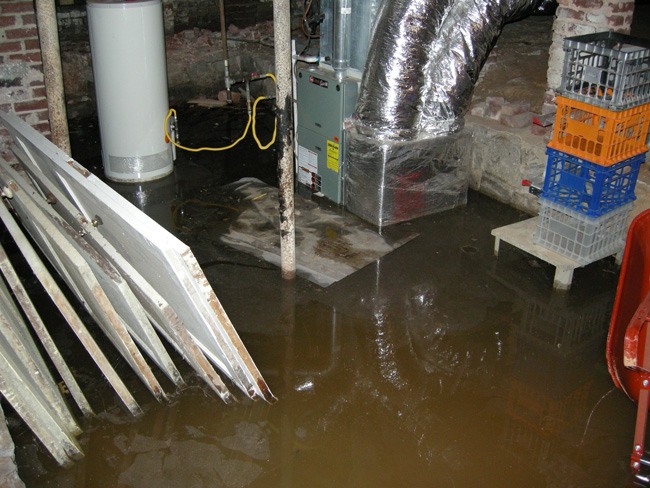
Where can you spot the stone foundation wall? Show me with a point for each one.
(501, 158)
(194, 65)
(22, 87)
(179, 15)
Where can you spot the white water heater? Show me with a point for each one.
(127, 43)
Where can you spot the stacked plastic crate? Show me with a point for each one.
(598, 146)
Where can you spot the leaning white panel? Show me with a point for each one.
(15, 337)
(26, 397)
(81, 279)
(41, 331)
(59, 299)
(112, 283)
(162, 316)
(157, 255)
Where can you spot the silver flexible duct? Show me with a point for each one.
(424, 60)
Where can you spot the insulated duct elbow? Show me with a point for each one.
(424, 59)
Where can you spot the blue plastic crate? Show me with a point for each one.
(589, 188)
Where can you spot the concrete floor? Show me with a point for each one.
(437, 365)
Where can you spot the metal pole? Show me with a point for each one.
(224, 48)
(49, 37)
(282, 37)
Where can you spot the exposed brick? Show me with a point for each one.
(37, 83)
(538, 130)
(29, 58)
(479, 109)
(30, 105)
(622, 7)
(7, 20)
(21, 33)
(16, 7)
(570, 13)
(565, 28)
(29, 19)
(515, 108)
(494, 106)
(588, 4)
(39, 92)
(43, 115)
(517, 121)
(43, 128)
(616, 20)
(32, 45)
(10, 47)
(597, 19)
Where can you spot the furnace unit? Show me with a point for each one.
(326, 95)
(324, 103)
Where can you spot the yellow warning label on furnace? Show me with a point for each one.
(333, 156)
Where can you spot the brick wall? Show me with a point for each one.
(179, 15)
(578, 17)
(22, 88)
(204, 14)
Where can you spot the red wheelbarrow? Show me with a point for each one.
(628, 343)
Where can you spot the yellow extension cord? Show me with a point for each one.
(251, 118)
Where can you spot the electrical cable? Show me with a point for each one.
(302, 23)
(275, 128)
(191, 149)
(251, 121)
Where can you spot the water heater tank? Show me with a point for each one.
(127, 43)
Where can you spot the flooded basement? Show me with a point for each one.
(436, 365)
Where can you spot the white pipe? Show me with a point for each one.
(282, 37)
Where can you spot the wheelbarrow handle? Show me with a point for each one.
(631, 344)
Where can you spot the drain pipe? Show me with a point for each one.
(282, 41)
(224, 48)
(53, 73)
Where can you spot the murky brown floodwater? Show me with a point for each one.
(436, 366)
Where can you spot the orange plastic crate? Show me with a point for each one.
(598, 135)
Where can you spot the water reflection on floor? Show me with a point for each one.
(435, 366)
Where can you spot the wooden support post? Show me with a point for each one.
(49, 36)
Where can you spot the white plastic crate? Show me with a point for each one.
(578, 237)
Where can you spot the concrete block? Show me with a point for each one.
(479, 110)
(494, 106)
(515, 108)
(516, 121)
(538, 130)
